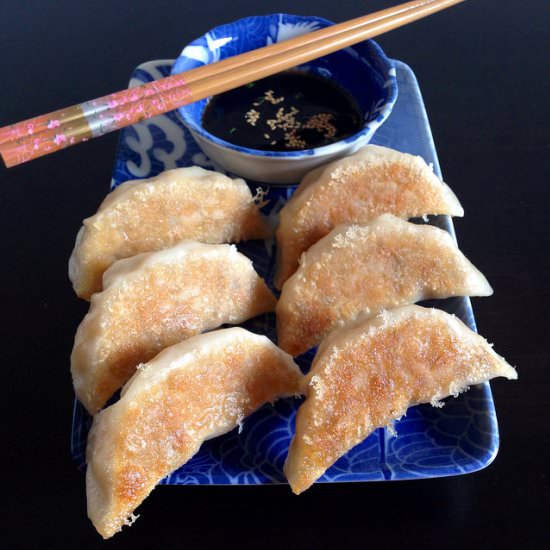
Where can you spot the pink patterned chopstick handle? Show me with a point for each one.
(118, 110)
(42, 135)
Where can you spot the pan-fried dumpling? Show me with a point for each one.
(362, 269)
(366, 376)
(157, 299)
(147, 215)
(356, 189)
(191, 392)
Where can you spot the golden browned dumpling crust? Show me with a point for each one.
(366, 376)
(147, 215)
(361, 269)
(191, 392)
(356, 189)
(157, 299)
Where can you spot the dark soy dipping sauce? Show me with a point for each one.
(288, 111)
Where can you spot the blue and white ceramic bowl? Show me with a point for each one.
(363, 70)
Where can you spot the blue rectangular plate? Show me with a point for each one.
(459, 438)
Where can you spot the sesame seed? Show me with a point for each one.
(252, 117)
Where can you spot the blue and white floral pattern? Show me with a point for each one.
(461, 437)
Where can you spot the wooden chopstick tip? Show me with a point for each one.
(6, 160)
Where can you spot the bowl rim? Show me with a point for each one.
(387, 71)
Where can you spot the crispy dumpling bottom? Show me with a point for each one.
(356, 189)
(191, 392)
(362, 269)
(147, 215)
(367, 375)
(157, 299)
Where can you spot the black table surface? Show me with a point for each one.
(483, 70)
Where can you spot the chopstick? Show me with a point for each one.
(45, 134)
(40, 123)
